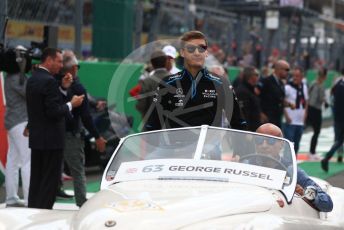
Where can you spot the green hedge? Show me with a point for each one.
(112, 81)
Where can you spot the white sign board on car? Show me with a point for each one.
(189, 169)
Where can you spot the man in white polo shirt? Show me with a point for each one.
(296, 92)
(171, 54)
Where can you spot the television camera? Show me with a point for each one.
(19, 59)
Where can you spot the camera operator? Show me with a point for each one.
(18, 156)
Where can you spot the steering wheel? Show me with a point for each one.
(264, 157)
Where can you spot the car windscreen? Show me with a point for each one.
(214, 144)
(177, 144)
(248, 148)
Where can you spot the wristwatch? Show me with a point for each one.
(310, 193)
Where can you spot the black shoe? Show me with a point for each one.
(340, 159)
(324, 165)
(63, 195)
(79, 205)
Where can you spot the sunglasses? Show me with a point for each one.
(260, 140)
(192, 48)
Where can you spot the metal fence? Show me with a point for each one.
(48, 11)
(242, 34)
(238, 34)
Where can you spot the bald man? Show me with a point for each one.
(271, 149)
(270, 129)
(272, 94)
(322, 201)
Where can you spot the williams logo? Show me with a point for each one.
(209, 93)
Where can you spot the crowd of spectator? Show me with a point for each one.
(278, 93)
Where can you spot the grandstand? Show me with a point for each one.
(306, 28)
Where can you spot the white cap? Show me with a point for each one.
(170, 51)
(21, 48)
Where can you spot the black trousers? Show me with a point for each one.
(44, 178)
(314, 119)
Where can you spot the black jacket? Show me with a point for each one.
(338, 96)
(183, 101)
(249, 104)
(272, 98)
(46, 111)
(81, 113)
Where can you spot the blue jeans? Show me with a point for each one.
(293, 133)
(339, 139)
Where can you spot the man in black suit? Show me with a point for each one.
(248, 100)
(46, 125)
(272, 94)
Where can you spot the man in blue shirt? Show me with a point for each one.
(322, 200)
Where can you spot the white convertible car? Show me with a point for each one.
(193, 178)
